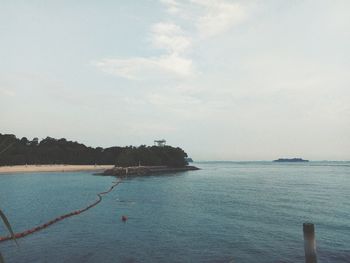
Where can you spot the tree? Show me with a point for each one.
(24, 141)
(61, 151)
(34, 142)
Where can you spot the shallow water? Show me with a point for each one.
(226, 212)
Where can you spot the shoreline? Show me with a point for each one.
(14, 169)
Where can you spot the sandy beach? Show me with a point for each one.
(52, 168)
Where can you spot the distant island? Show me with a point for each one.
(290, 160)
(49, 151)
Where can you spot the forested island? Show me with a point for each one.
(15, 151)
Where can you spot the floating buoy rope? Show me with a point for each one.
(62, 217)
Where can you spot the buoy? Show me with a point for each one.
(124, 218)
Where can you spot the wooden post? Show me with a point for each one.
(309, 243)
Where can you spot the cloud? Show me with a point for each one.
(173, 7)
(210, 18)
(7, 92)
(140, 68)
(218, 17)
(170, 37)
(172, 64)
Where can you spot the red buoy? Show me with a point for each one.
(124, 218)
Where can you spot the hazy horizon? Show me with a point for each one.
(224, 80)
(197, 160)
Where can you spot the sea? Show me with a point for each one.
(241, 212)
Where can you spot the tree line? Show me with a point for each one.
(15, 151)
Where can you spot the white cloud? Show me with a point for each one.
(140, 68)
(210, 18)
(170, 37)
(218, 17)
(173, 7)
(172, 64)
(7, 92)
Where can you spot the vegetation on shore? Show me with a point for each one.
(22, 151)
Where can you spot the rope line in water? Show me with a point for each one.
(60, 218)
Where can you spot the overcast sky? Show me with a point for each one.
(225, 80)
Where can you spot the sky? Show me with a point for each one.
(223, 79)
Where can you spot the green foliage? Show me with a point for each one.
(152, 155)
(60, 151)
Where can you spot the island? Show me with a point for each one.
(290, 160)
(50, 154)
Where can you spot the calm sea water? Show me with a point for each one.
(226, 212)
